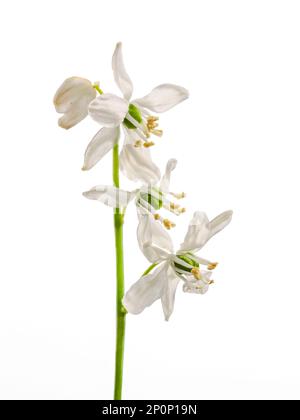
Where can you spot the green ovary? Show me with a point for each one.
(188, 260)
(135, 113)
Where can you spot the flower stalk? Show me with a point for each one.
(120, 311)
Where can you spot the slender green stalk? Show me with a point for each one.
(121, 313)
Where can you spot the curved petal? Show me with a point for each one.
(110, 196)
(108, 109)
(72, 99)
(137, 165)
(168, 294)
(154, 241)
(163, 97)
(101, 144)
(165, 181)
(120, 74)
(198, 233)
(146, 290)
(220, 222)
(72, 117)
(71, 90)
(198, 286)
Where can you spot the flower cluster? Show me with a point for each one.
(77, 98)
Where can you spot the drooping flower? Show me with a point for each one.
(149, 199)
(170, 268)
(137, 123)
(72, 99)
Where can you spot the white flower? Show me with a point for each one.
(149, 199)
(134, 117)
(72, 99)
(162, 281)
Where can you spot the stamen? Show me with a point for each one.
(152, 125)
(179, 196)
(212, 266)
(158, 133)
(157, 216)
(168, 224)
(174, 206)
(196, 273)
(148, 144)
(138, 143)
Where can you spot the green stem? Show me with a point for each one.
(121, 313)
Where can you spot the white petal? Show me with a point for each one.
(72, 99)
(198, 233)
(110, 196)
(165, 181)
(163, 98)
(108, 109)
(74, 115)
(71, 90)
(154, 241)
(220, 222)
(146, 290)
(101, 144)
(121, 77)
(137, 165)
(168, 294)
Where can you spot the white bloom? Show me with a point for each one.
(162, 281)
(72, 99)
(149, 199)
(134, 117)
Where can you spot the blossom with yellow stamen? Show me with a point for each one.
(135, 119)
(77, 97)
(150, 199)
(168, 268)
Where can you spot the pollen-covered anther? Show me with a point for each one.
(212, 266)
(158, 133)
(152, 121)
(168, 224)
(138, 143)
(148, 144)
(179, 196)
(182, 210)
(196, 273)
(174, 206)
(152, 126)
(157, 216)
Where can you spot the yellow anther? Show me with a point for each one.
(196, 273)
(211, 282)
(174, 206)
(149, 144)
(138, 143)
(183, 210)
(212, 266)
(179, 196)
(157, 133)
(157, 216)
(168, 224)
(152, 119)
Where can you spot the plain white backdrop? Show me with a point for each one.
(237, 142)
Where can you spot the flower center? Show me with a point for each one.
(144, 125)
(135, 113)
(151, 199)
(187, 264)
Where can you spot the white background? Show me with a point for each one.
(237, 139)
